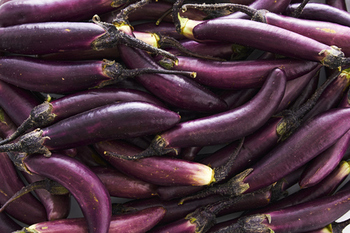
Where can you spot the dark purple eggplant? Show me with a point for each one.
(138, 222)
(79, 180)
(7, 224)
(223, 127)
(119, 120)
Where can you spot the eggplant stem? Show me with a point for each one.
(175, 14)
(231, 7)
(297, 12)
(51, 186)
(232, 188)
(163, 16)
(122, 16)
(338, 227)
(222, 172)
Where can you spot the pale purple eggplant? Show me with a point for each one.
(119, 120)
(306, 216)
(79, 180)
(321, 12)
(121, 185)
(169, 171)
(164, 28)
(28, 11)
(138, 222)
(223, 127)
(63, 76)
(53, 111)
(264, 37)
(240, 74)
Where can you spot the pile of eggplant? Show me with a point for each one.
(172, 116)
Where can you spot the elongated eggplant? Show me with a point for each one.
(240, 74)
(159, 171)
(137, 222)
(98, 124)
(22, 12)
(79, 180)
(265, 37)
(223, 127)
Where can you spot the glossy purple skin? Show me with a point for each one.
(27, 208)
(270, 5)
(295, 87)
(120, 185)
(310, 215)
(235, 98)
(309, 140)
(339, 4)
(119, 120)
(32, 11)
(331, 96)
(322, 31)
(324, 188)
(52, 76)
(16, 102)
(261, 36)
(176, 90)
(182, 225)
(325, 162)
(157, 170)
(233, 124)
(78, 102)
(57, 206)
(49, 37)
(138, 222)
(80, 181)
(7, 224)
(322, 12)
(241, 74)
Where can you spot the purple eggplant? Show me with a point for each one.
(307, 216)
(138, 222)
(64, 76)
(120, 185)
(247, 74)
(28, 11)
(80, 181)
(169, 171)
(98, 124)
(264, 37)
(223, 127)
(7, 224)
(53, 111)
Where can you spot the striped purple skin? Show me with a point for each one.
(33, 11)
(159, 171)
(309, 140)
(49, 37)
(265, 37)
(248, 74)
(322, 31)
(80, 181)
(138, 222)
(233, 124)
(119, 120)
(121, 185)
(322, 12)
